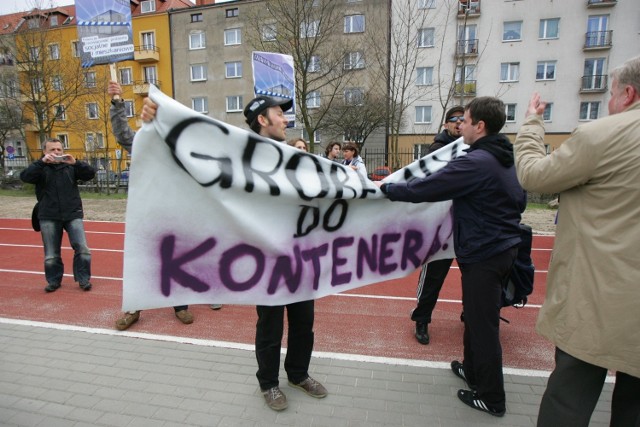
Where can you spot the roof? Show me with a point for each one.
(161, 6)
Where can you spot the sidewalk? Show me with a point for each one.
(51, 377)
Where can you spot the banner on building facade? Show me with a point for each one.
(104, 31)
(274, 75)
(218, 214)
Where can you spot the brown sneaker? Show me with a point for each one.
(275, 399)
(129, 318)
(312, 387)
(185, 316)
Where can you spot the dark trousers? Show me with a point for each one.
(429, 284)
(269, 331)
(573, 390)
(482, 284)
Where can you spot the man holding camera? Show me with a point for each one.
(56, 177)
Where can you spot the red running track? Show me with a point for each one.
(371, 321)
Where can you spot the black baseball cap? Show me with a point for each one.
(261, 103)
(452, 111)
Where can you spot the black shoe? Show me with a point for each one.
(422, 333)
(52, 287)
(85, 286)
(471, 398)
(458, 369)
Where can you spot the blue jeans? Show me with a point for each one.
(51, 231)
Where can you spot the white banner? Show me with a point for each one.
(218, 214)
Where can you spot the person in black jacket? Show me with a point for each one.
(56, 177)
(433, 273)
(487, 204)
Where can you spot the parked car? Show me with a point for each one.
(380, 173)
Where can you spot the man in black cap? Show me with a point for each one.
(265, 116)
(433, 274)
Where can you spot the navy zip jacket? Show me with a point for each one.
(487, 198)
(57, 188)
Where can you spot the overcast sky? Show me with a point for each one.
(13, 6)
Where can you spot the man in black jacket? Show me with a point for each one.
(433, 273)
(56, 177)
(487, 203)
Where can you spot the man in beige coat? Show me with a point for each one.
(591, 306)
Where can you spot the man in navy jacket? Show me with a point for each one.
(487, 203)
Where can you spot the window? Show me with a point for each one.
(37, 84)
(200, 104)
(126, 76)
(423, 114)
(129, 111)
(313, 99)
(8, 88)
(546, 70)
(354, 24)
(196, 17)
(92, 110)
(309, 29)
(426, 37)
(56, 83)
(148, 40)
(512, 31)
(197, 40)
(546, 115)
(147, 6)
(75, 49)
(234, 103)
(509, 71)
(34, 23)
(353, 60)
(53, 21)
(54, 52)
(353, 96)
(314, 64)
(150, 74)
(589, 110)
(198, 72)
(231, 13)
(269, 32)
(233, 70)
(316, 136)
(424, 76)
(60, 112)
(426, 4)
(510, 111)
(594, 77)
(64, 139)
(597, 31)
(232, 36)
(90, 79)
(548, 28)
(34, 53)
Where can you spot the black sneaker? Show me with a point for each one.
(85, 286)
(422, 333)
(470, 398)
(52, 287)
(458, 369)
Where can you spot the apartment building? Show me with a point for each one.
(511, 48)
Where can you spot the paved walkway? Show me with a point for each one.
(51, 375)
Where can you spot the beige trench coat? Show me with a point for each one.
(592, 304)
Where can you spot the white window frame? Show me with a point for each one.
(353, 60)
(545, 70)
(64, 139)
(269, 32)
(200, 104)
(233, 103)
(233, 70)
(589, 113)
(351, 93)
(34, 53)
(60, 112)
(57, 83)
(54, 52)
(92, 111)
(314, 64)
(129, 108)
(517, 27)
(547, 114)
(309, 29)
(75, 49)
(424, 114)
(90, 79)
(543, 29)
(126, 76)
(426, 4)
(510, 112)
(232, 37)
(510, 72)
(147, 6)
(313, 99)
(424, 76)
(197, 40)
(354, 24)
(427, 37)
(198, 72)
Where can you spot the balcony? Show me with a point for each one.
(141, 87)
(466, 89)
(470, 9)
(467, 47)
(594, 83)
(595, 40)
(146, 53)
(601, 3)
